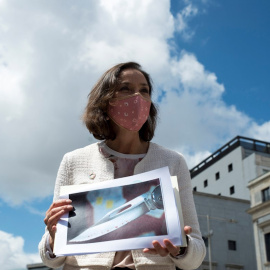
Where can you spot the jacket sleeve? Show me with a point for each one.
(195, 252)
(62, 179)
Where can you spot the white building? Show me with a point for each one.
(260, 212)
(228, 171)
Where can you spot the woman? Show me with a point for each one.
(121, 114)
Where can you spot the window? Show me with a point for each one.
(231, 245)
(267, 246)
(230, 167)
(232, 190)
(231, 266)
(266, 194)
(205, 183)
(195, 189)
(217, 176)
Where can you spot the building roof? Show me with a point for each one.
(259, 179)
(247, 143)
(220, 197)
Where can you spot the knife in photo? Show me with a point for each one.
(122, 215)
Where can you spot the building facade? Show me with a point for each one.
(40, 266)
(228, 171)
(260, 212)
(227, 230)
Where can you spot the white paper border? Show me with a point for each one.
(170, 209)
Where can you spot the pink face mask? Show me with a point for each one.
(130, 112)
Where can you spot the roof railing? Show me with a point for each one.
(247, 143)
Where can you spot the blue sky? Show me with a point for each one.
(209, 61)
(232, 40)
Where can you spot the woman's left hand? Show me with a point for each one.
(168, 248)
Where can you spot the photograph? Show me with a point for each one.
(122, 212)
(129, 213)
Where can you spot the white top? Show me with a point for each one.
(79, 166)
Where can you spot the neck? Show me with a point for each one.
(127, 142)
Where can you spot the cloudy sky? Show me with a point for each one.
(209, 61)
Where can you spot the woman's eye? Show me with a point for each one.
(145, 91)
(124, 88)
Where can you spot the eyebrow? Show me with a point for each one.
(127, 83)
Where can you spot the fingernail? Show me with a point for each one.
(68, 201)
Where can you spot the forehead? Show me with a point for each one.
(132, 76)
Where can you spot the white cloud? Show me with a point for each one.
(50, 56)
(194, 78)
(197, 106)
(34, 210)
(194, 159)
(13, 257)
(260, 132)
(11, 99)
(182, 18)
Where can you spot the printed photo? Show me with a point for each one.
(115, 213)
(120, 215)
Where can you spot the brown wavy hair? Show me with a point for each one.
(95, 115)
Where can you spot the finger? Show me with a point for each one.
(52, 234)
(59, 203)
(65, 208)
(52, 231)
(54, 228)
(150, 251)
(52, 242)
(56, 213)
(51, 226)
(55, 216)
(51, 214)
(160, 249)
(54, 219)
(46, 220)
(174, 250)
(187, 230)
(56, 204)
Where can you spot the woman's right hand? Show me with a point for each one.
(56, 210)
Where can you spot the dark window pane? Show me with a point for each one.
(266, 194)
(267, 245)
(231, 245)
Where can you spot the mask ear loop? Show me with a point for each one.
(113, 102)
